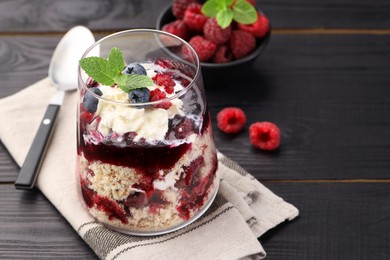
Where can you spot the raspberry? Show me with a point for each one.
(180, 6)
(87, 194)
(194, 18)
(264, 135)
(112, 209)
(231, 120)
(165, 81)
(222, 54)
(178, 28)
(259, 28)
(156, 95)
(241, 43)
(91, 83)
(203, 47)
(213, 32)
(85, 116)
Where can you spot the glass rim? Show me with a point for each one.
(155, 32)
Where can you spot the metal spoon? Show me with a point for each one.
(63, 75)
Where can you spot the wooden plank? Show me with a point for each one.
(341, 221)
(328, 93)
(31, 228)
(49, 15)
(8, 167)
(330, 97)
(348, 14)
(24, 60)
(337, 221)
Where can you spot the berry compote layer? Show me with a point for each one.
(149, 168)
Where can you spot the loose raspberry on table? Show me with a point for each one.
(203, 47)
(213, 32)
(259, 28)
(165, 81)
(194, 18)
(222, 54)
(231, 120)
(179, 7)
(156, 95)
(178, 28)
(241, 43)
(264, 135)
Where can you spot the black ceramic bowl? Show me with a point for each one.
(166, 16)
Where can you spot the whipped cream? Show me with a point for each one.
(150, 123)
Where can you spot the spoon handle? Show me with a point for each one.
(29, 171)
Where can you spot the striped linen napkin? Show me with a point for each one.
(243, 210)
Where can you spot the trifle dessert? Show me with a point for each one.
(146, 157)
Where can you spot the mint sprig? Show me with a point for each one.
(225, 11)
(133, 81)
(109, 71)
(116, 61)
(98, 69)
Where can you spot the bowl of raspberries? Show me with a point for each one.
(224, 33)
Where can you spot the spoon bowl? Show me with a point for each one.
(63, 75)
(65, 59)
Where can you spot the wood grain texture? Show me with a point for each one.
(31, 228)
(57, 15)
(324, 79)
(330, 97)
(337, 221)
(350, 14)
(24, 60)
(328, 93)
(8, 167)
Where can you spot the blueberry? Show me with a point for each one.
(91, 102)
(139, 95)
(134, 68)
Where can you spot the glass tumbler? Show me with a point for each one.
(146, 159)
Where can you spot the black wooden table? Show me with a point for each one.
(324, 79)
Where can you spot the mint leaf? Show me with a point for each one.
(244, 12)
(224, 18)
(115, 59)
(99, 69)
(108, 72)
(225, 11)
(212, 7)
(128, 82)
(228, 2)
